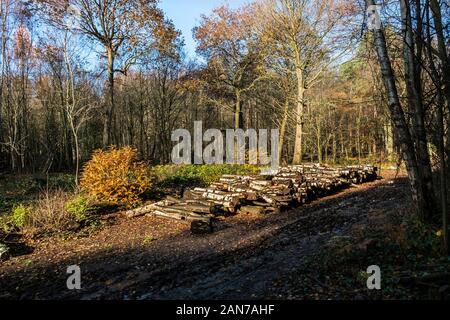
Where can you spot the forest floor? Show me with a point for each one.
(247, 257)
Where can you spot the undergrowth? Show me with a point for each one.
(197, 175)
(408, 252)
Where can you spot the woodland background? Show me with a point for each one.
(81, 75)
(91, 90)
(121, 78)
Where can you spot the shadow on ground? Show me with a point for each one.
(237, 262)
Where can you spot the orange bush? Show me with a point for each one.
(115, 176)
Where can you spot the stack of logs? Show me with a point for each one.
(290, 187)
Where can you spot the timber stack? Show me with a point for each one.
(257, 194)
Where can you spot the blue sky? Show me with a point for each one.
(185, 14)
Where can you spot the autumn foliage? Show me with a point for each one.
(115, 176)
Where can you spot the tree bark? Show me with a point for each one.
(298, 145)
(389, 140)
(109, 111)
(442, 48)
(401, 132)
(283, 128)
(414, 92)
(238, 116)
(440, 136)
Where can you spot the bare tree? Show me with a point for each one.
(125, 29)
(77, 108)
(303, 33)
(226, 39)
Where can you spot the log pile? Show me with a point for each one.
(176, 209)
(290, 187)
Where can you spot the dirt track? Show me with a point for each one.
(149, 258)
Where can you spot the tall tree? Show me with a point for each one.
(125, 29)
(302, 32)
(412, 56)
(416, 155)
(228, 42)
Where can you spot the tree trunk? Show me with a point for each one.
(443, 56)
(77, 151)
(283, 129)
(298, 146)
(402, 133)
(442, 172)
(389, 140)
(440, 136)
(358, 134)
(109, 111)
(238, 116)
(442, 48)
(414, 92)
(319, 142)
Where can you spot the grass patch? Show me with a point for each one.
(53, 212)
(148, 240)
(56, 209)
(197, 175)
(18, 190)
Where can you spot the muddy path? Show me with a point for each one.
(240, 261)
